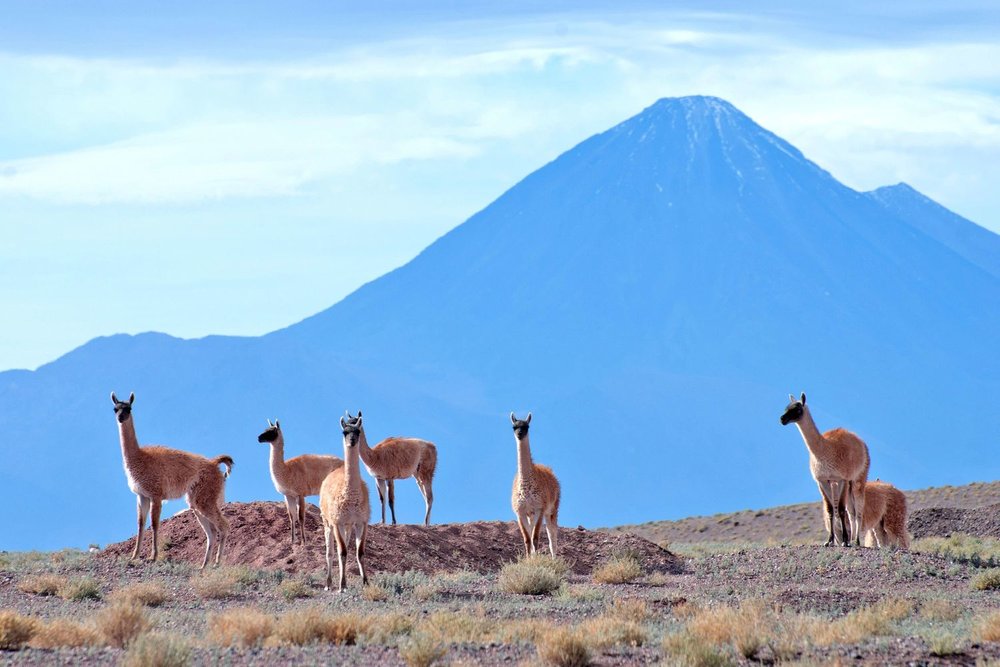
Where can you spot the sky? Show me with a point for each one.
(235, 167)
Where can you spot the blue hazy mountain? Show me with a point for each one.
(652, 295)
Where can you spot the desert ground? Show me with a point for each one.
(744, 588)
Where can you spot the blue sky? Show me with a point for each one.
(234, 167)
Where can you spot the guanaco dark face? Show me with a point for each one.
(794, 410)
(123, 409)
(520, 426)
(272, 433)
(352, 430)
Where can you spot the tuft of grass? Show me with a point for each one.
(937, 609)
(215, 585)
(121, 622)
(42, 584)
(62, 632)
(747, 628)
(987, 581)
(150, 594)
(456, 628)
(15, 630)
(157, 650)
(240, 627)
(978, 551)
(534, 575)
(861, 624)
(988, 628)
(421, 650)
(686, 650)
(563, 648)
(636, 610)
(387, 628)
(607, 631)
(619, 569)
(373, 592)
(943, 644)
(83, 588)
(311, 626)
(293, 589)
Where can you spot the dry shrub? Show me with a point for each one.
(121, 622)
(293, 589)
(943, 644)
(534, 575)
(421, 650)
(376, 592)
(15, 630)
(61, 632)
(563, 648)
(215, 585)
(151, 594)
(987, 581)
(42, 584)
(156, 650)
(240, 627)
(619, 569)
(747, 628)
(979, 551)
(426, 592)
(686, 650)
(84, 588)
(385, 628)
(861, 624)
(524, 630)
(606, 631)
(630, 609)
(311, 626)
(937, 609)
(686, 610)
(988, 629)
(455, 628)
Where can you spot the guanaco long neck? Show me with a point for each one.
(363, 449)
(278, 454)
(352, 468)
(525, 467)
(810, 434)
(130, 444)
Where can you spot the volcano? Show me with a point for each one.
(652, 295)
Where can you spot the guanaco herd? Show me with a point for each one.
(838, 459)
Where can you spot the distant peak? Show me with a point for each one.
(689, 103)
(898, 191)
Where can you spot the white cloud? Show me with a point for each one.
(128, 131)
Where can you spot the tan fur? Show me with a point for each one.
(343, 502)
(156, 473)
(399, 458)
(298, 478)
(884, 522)
(534, 499)
(839, 462)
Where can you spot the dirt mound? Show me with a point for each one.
(943, 521)
(259, 537)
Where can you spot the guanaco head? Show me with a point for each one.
(123, 409)
(520, 426)
(796, 408)
(352, 430)
(272, 432)
(351, 419)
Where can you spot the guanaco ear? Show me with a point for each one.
(277, 424)
(513, 419)
(269, 424)
(131, 398)
(348, 413)
(803, 398)
(527, 420)
(114, 399)
(358, 423)
(343, 424)
(791, 398)
(359, 415)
